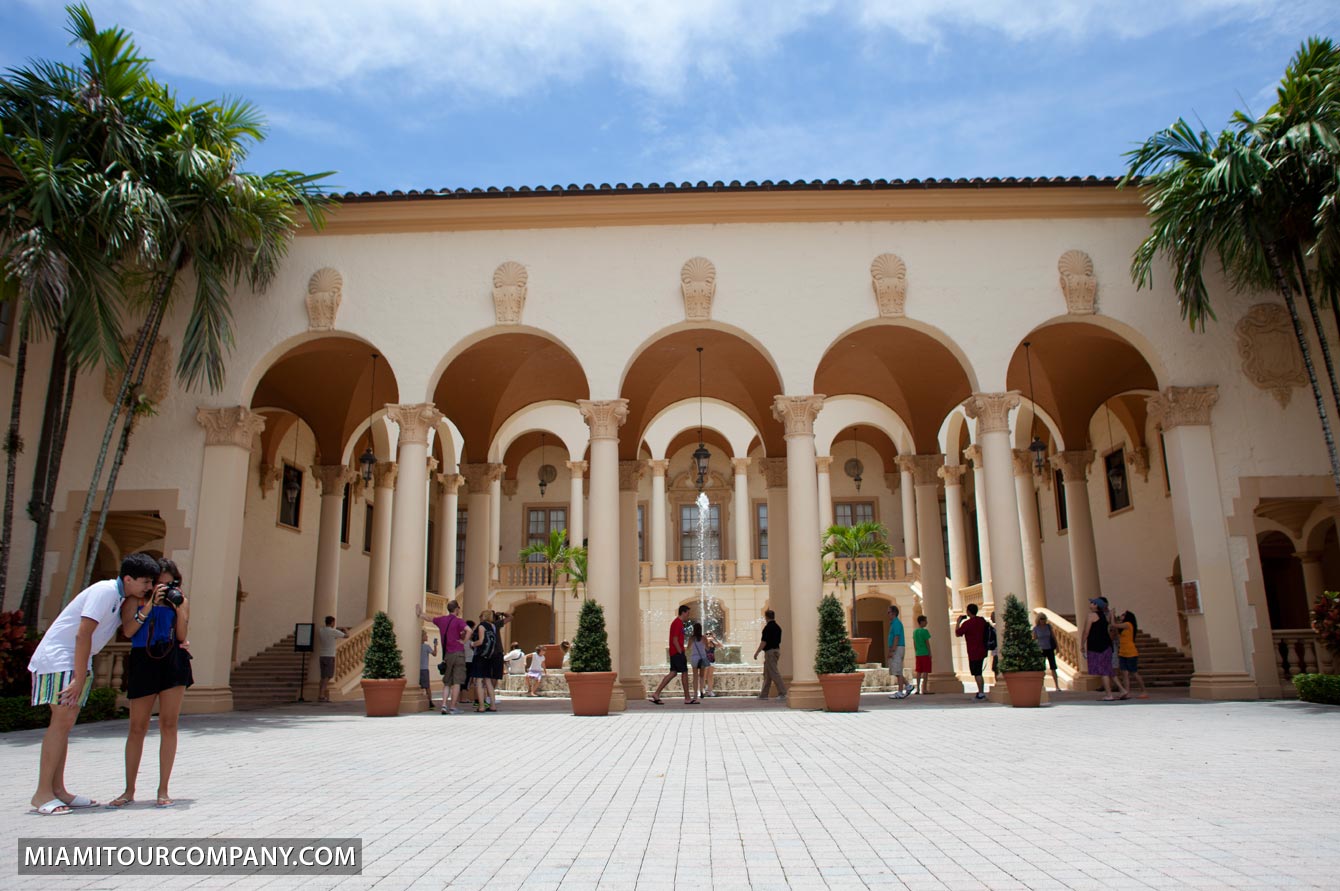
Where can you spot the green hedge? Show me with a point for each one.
(17, 714)
(1323, 688)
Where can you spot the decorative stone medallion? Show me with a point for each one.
(157, 378)
(325, 290)
(888, 276)
(1269, 351)
(1078, 283)
(698, 281)
(509, 292)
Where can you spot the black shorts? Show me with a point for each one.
(975, 666)
(1050, 656)
(148, 676)
(496, 667)
(478, 669)
(678, 664)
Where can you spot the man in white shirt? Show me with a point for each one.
(62, 670)
(328, 640)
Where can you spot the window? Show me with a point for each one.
(849, 513)
(344, 517)
(641, 532)
(688, 532)
(460, 545)
(1059, 488)
(290, 501)
(367, 529)
(761, 528)
(540, 521)
(1118, 485)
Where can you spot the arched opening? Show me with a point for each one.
(872, 621)
(1282, 574)
(530, 624)
(715, 618)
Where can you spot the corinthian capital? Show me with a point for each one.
(604, 418)
(384, 474)
(797, 413)
(823, 463)
(414, 420)
(926, 469)
(577, 468)
(235, 426)
(974, 454)
(1183, 406)
(448, 483)
(952, 474)
(478, 477)
(774, 472)
(991, 411)
(1073, 464)
(740, 465)
(659, 466)
(1023, 462)
(630, 472)
(332, 477)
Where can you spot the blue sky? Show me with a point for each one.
(404, 94)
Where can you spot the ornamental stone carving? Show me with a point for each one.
(325, 290)
(1269, 351)
(659, 466)
(479, 477)
(235, 426)
(698, 282)
(740, 466)
(448, 483)
(630, 473)
(991, 411)
(904, 464)
(157, 377)
(577, 468)
(1023, 462)
(509, 292)
(510, 487)
(432, 466)
(269, 478)
(973, 453)
(926, 469)
(888, 276)
(893, 481)
(797, 413)
(332, 477)
(414, 420)
(952, 474)
(604, 418)
(384, 474)
(1078, 283)
(774, 472)
(823, 463)
(1139, 461)
(1073, 464)
(1183, 406)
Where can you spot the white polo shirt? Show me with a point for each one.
(100, 602)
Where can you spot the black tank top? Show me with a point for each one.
(1100, 638)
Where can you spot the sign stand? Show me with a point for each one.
(302, 643)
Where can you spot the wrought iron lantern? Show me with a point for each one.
(853, 467)
(368, 460)
(700, 455)
(1037, 446)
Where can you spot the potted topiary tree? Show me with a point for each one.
(1020, 659)
(835, 660)
(590, 682)
(383, 671)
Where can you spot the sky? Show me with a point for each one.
(417, 94)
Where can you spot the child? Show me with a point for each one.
(535, 674)
(426, 650)
(698, 659)
(1128, 657)
(921, 647)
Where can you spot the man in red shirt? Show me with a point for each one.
(680, 629)
(452, 629)
(972, 628)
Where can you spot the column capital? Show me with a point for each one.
(659, 466)
(906, 464)
(926, 469)
(974, 454)
(432, 465)
(510, 487)
(1073, 464)
(269, 477)
(991, 411)
(1183, 406)
(797, 413)
(414, 421)
(604, 418)
(332, 477)
(235, 426)
(630, 473)
(384, 474)
(893, 480)
(1308, 556)
(823, 463)
(952, 474)
(1023, 462)
(740, 466)
(774, 472)
(448, 483)
(577, 468)
(479, 477)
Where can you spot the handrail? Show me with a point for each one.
(1066, 635)
(349, 654)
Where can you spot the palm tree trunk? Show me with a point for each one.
(38, 510)
(1316, 322)
(13, 446)
(32, 593)
(1282, 282)
(553, 605)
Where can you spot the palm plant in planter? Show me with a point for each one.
(1020, 659)
(835, 660)
(558, 558)
(844, 545)
(591, 680)
(383, 671)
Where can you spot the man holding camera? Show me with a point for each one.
(328, 641)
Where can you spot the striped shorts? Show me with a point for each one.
(47, 687)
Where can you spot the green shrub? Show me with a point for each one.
(101, 706)
(1323, 688)
(16, 712)
(591, 647)
(834, 654)
(1020, 652)
(382, 661)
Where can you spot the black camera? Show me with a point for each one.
(172, 595)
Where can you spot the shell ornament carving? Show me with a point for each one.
(157, 378)
(1078, 283)
(888, 275)
(509, 292)
(1269, 351)
(325, 289)
(698, 281)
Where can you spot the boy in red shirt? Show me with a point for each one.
(972, 628)
(680, 629)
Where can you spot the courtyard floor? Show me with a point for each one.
(935, 792)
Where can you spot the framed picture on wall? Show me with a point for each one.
(1118, 484)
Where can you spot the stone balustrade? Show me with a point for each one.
(1297, 651)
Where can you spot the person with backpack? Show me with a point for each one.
(1096, 643)
(975, 631)
(485, 642)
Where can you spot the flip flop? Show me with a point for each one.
(165, 802)
(119, 802)
(655, 700)
(81, 801)
(693, 702)
(53, 808)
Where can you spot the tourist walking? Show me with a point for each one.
(681, 630)
(426, 651)
(159, 670)
(485, 642)
(711, 672)
(897, 648)
(328, 641)
(1097, 643)
(972, 628)
(921, 649)
(1128, 657)
(771, 647)
(453, 631)
(1045, 635)
(698, 659)
(62, 672)
(535, 673)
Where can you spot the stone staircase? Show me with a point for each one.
(1162, 665)
(271, 677)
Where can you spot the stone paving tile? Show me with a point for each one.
(930, 794)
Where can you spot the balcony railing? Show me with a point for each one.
(525, 575)
(718, 572)
(1297, 651)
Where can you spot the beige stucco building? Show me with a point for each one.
(880, 330)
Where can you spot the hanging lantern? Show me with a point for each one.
(368, 460)
(548, 473)
(1037, 446)
(700, 455)
(854, 468)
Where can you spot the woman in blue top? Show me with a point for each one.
(159, 668)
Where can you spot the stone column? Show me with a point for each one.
(448, 504)
(1314, 582)
(1217, 636)
(409, 525)
(604, 419)
(495, 527)
(629, 665)
(779, 569)
(992, 413)
(952, 474)
(379, 563)
(576, 504)
(479, 479)
(797, 413)
(823, 465)
(934, 595)
(974, 454)
(744, 568)
(1025, 491)
(1074, 467)
(326, 585)
(216, 552)
(908, 490)
(656, 522)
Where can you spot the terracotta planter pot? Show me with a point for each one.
(862, 647)
(842, 692)
(1025, 688)
(553, 657)
(590, 691)
(381, 699)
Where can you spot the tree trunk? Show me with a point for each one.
(32, 594)
(1316, 321)
(13, 446)
(39, 509)
(553, 605)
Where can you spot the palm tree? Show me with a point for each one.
(558, 559)
(576, 569)
(1261, 195)
(847, 544)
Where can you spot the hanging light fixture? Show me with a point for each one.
(292, 488)
(1037, 446)
(700, 455)
(368, 460)
(548, 473)
(854, 468)
(1115, 478)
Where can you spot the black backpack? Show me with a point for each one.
(989, 637)
(490, 644)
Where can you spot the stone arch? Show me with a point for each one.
(735, 426)
(871, 607)
(1321, 524)
(842, 412)
(530, 624)
(708, 325)
(279, 351)
(1049, 432)
(1282, 574)
(562, 419)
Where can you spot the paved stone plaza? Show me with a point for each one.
(733, 794)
